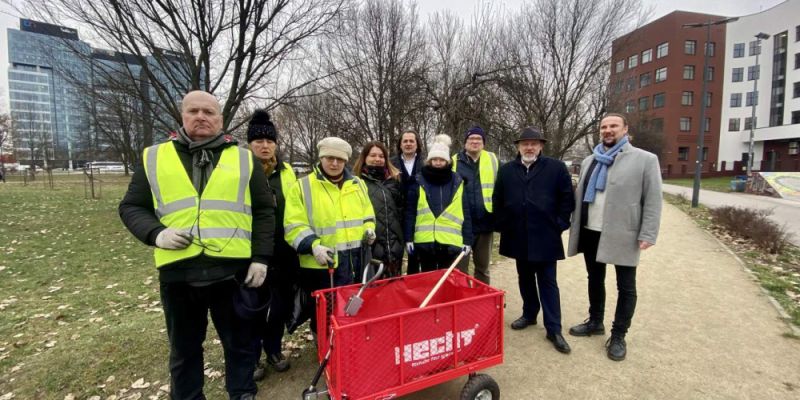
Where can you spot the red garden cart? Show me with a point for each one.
(392, 347)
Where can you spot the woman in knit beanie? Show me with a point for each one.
(436, 241)
(263, 140)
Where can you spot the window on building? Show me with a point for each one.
(793, 148)
(644, 79)
(710, 74)
(662, 50)
(738, 50)
(705, 153)
(707, 125)
(751, 99)
(658, 100)
(620, 66)
(617, 86)
(748, 123)
(755, 48)
(644, 103)
(687, 98)
(657, 125)
(736, 99)
(797, 33)
(661, 74)
(708, 99)
(710, 47)
(796, 90)
(733, 125)
(688, 72)
(630, 106)
(633, 61)
(795, 117)
(630, 84)
(690, 47)
(683, 153)
(753, 72)
(647, 56)
(737, 75)
(796, 60)
(686, 124)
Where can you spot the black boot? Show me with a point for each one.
(588, 328)
(616, 348)
(278, 362)
(522, 323)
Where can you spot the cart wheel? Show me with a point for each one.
(480, 387)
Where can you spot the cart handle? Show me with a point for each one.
(442, 279)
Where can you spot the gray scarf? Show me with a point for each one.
(202, 164)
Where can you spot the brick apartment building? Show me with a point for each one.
(656, 80)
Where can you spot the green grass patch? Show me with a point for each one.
(779, 273)
(717, 184)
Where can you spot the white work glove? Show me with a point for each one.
(256, 275)
(173, 239)
(410, 248)
(322, 254)
(370, 235)
(466, 250)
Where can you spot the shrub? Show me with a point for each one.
(753, 225)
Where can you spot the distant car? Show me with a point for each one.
(107, 166)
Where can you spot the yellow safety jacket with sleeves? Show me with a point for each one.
(487, 169)
(220, 219)
(444, 229)
(336, 218)
(288, 178)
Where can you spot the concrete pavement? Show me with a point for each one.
(784, 212)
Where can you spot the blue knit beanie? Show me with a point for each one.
(475, 130)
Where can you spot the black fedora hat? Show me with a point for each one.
(530, 133)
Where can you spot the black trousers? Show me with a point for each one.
(413, 264)
(529, 275)
(626, 285)
(186, 310)
(435, 257)
(272, 325)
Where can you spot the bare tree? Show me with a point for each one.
(560, 52)
(31, 131)
(234, 49)
(376, 64)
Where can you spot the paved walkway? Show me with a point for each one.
(783, 211)
(703, 329)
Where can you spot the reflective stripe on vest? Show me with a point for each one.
(338, 217)
(220, 219)
(444, 229)
(488, 175)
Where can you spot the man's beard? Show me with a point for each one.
(528, 159)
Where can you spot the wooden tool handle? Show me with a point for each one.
(441, 280)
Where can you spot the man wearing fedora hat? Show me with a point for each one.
(533, 200)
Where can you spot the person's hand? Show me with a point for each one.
(322, 254)
(256, 275)
(410, 248)
(466, 250)
(369, 234)
(173, 239)
(644, 245)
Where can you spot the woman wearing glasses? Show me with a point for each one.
(263, 139)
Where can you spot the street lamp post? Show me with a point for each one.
(698, 170)
(750, 152)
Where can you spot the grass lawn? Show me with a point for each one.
(80, 312)
(717, 184)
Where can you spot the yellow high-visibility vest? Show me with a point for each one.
(487, 169)
(338, 217)
(288, 178)
(220, 220)
(444, 229)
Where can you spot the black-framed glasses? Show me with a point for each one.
(197, 239)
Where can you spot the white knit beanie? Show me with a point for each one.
(334, 147)
(440, 148)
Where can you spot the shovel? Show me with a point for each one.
(355, 302)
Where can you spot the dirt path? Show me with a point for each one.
(703, 330)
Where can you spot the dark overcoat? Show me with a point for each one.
(532, 207)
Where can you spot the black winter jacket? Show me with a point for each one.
(439, 197)
(407, 180)
(285, 262)
(138, 214)
(482, 220)
(532, 208)
(387, 202)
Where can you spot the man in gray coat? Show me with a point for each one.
(617, 215)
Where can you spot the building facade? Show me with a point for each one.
(762, 75)
(656, 80)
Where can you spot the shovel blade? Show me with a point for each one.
(353, 305)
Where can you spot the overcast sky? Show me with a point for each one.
(10, 18)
